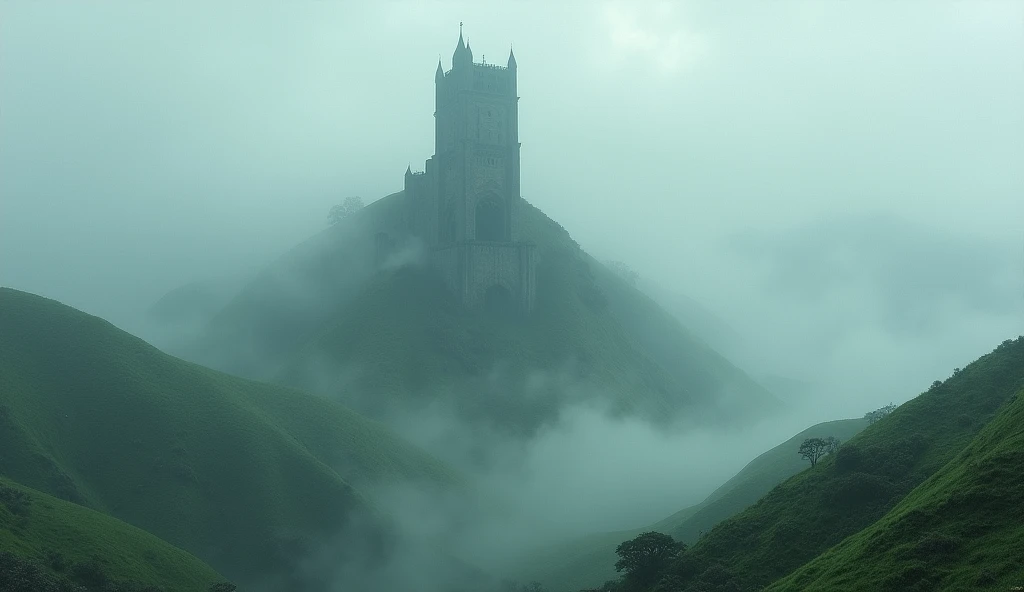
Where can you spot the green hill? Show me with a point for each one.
(83, 545)
(962, 529)
(322, 318)
(818, 508)
(590, 561)
(246, 476)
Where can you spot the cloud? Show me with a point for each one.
(649, 35)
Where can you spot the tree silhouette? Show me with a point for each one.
(350, 206)
(643, 557)
(877, 414)
(813, 448)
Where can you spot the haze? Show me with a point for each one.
(839, 183)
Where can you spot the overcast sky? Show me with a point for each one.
(836, 179)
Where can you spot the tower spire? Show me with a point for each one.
(511, 58)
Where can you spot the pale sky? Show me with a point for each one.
(835, 179)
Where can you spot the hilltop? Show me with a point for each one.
(323, 318)
(962, 529)
(69, 541)
(250, 477)
(590, 561)
(847, 492)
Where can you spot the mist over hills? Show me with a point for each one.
(251, 477)
(323, 318)
(962, 528)
(743, 219)
(851, 490)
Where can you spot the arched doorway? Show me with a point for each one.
(498, 302)
(490, 219)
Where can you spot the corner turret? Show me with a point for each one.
(511, 59)
(461, 56)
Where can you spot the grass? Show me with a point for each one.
(245, 475)
(61, 535)
(321, 319)
(962, 529)
(871, 474)
(590, 561)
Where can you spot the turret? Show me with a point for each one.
(439, 74)
(511, 59)
(461, 56)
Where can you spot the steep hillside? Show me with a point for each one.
(818, 508)
(590, 561)
(322, 318)
(85, 546)
(962, 529)
(247, 476)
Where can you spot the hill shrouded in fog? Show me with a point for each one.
(639, 248)
(323, 318)
(247, 476)
(870, 475)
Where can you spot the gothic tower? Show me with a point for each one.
(476, 144)
(466, 205)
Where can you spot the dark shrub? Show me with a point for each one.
(849, 459)
(936, 546)
(860, 490)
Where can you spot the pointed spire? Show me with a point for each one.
(460, 50)
(511, 59)
(439, 74)
(408, 170)
(469, 50)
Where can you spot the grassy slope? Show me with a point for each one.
(590, 561)
(237, 472)
(400, 333)
(962, 529)
(820, 507)
(36, 525)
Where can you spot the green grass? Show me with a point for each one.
(962, 529)
(59, 534)
(321, 319)
(818, 508)
(590, 561)
(245, 475)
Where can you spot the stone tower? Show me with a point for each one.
(466, 205)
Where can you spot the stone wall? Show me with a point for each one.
(471, 269)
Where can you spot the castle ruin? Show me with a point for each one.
(465, 206)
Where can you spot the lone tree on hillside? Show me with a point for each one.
(814, 448)
(350, 206)
(643, 557)
(877, 414)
